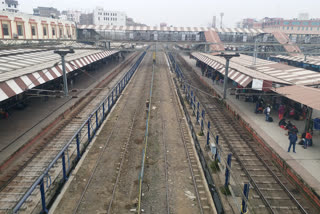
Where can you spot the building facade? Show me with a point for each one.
(49, 12)
(294, 25)
(71, 15)
(9, 5)
(24, 26)
(103, 17)
(86, 19)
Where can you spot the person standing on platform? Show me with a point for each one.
(307, 141)
(267, 112)
(281, 111)
(293, 140)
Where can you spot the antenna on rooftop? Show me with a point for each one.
(221, 15)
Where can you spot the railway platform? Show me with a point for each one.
(22, 125)
(305, 162)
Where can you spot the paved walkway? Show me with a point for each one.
(306, 162)
(22, 125)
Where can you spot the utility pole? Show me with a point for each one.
(255, 53)
(63, 53)
(221, 15)
(225, 82)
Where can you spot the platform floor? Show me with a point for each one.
(306, 162)
(24, 124)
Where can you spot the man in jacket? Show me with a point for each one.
(293, 139)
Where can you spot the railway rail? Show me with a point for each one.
(50, 163)
(191, 159)
(126, 139)
(272, 192)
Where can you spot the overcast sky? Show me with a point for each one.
(188, 13)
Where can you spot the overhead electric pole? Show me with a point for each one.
(63, 53)
(225, 82)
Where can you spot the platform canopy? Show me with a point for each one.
(241, 74)
(23, 69)
(305, 95)
(312, 60)
(169, 29)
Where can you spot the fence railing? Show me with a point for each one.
(71, 153)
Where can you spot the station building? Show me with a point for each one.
(106, 17)
(24, 26)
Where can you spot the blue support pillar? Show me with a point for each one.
(217, 143)
(246, 194)
(89, 135)
(103, 110)
(203, 114)
(201, 125)
(198, 106)
(108, 103)
(194, 99)
(112, 97)
(64, 167)
(78, 147)
(43, 197)
(228, 171)
(97, 121)
(208, 134)
(197, 117)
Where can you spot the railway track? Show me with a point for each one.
(22, 178)
(196, 177)
(112, 170)
(271, 192)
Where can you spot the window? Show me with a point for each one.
(20, 29)
(302, 28)
(310, 28)
(291, 28)
(45, 31)
(5, 29)
(287, 28)
(33, 30)
(60, 32)
(298, 28)
(306, 28)
(53, 31)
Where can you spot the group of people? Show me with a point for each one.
(306, 140)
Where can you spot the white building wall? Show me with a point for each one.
(103, 17)
(24, 26)
(11, 8)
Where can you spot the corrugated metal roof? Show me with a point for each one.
(293, 75)
(21, 72)
(233, 74)
(218, 63)
(305, 95)
(173, 29)
(312, 60)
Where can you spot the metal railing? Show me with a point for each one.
(77, 144)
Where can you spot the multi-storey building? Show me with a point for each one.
(24, 26)
(9, 5)
(103, 17)
(46, 12)
(86, 19)
(72, 15)
(311, 26)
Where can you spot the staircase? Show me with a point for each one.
(283, 39)
(212, 36)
